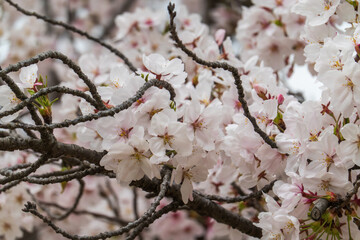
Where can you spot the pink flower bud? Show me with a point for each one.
(357, 49)
(259, 89)
(219, 36)
(280, 99)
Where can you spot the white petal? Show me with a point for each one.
(350, 131)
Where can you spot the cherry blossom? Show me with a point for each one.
(28, 76)
(129, 161)
(349, 149)
(163, 69)
(8, 100)
(317, 12)
(204, 135)
(165, 132)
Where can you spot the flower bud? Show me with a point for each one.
(219, 36)
(260, 91)
(357, 49)
(280, 99)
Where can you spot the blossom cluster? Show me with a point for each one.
(203, 135)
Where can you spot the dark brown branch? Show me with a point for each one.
(100, 114)
(135, 204)
(59, 149)
(204, 207)
(256, 194)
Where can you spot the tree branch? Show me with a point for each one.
(204, 207)
(100, 114)
(75, 30)
(256, 194)
(67, 61)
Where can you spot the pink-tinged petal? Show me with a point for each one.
(129, 170)
(159, 159)
(119, 75)
(157, 146)
(219, 36)
(159, 123)
(178, 175)
(182, 145)
(155, 171)
(121, 150)
(270, 108)
(109, 163)
(192, 112)
(347, 151)
(146, 167)
(28, 76)
(89, 64)
(186, 190)
(272, 205)
(330, 143)
(154, 63)
(175, 66)
(343, 100)
(356, 158)
(176, 128)
(199, 173)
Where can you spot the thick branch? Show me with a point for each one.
(204, 207)
(59, 149)
(256, 194)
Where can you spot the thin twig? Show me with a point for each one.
(112, 205)
(45, 91)
(22, 174)
(67, 61)
(168, 208)
(256, 194)
(115, 197)
(69, 210)
(75, 30)
(100, 114)
(85, 212)
(135, 205)
(31, 207)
